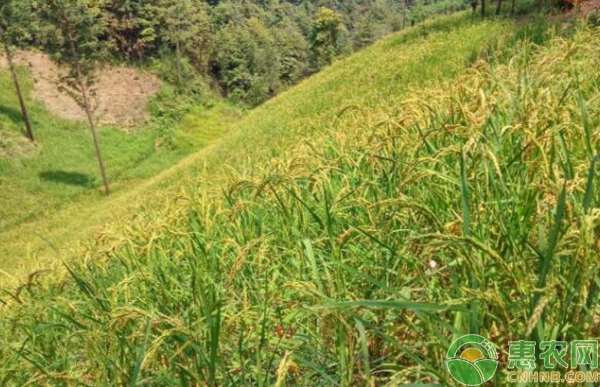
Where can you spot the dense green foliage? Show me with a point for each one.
(258, 49)
(251, 50)
(345, 231)
(15, 23)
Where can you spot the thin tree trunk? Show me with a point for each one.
(482, 7)
(178, 52)
(512, 7)
(178, 42)
(499, 8)
(90, 117)
(24, 112)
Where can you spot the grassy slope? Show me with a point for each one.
(42, 196)
(62, 166)
(43, 188)
(31, 228)
(343, 231)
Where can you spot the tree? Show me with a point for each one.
(78, 40)
(419, 12)
(13, 22)
(187, 26)
(405, 10)
(132, 26)
(247, 59)
(293, 49)
(231, 59)
(365, 33)
(474, 6)
(326, 29)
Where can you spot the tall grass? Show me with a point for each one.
(365, 218)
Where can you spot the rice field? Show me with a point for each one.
(440, 182)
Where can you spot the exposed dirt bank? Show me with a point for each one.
(121, 94)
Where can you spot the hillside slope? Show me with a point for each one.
(49, 189)
(346, 230)
(302, 113)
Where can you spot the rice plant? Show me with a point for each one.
(403, 197)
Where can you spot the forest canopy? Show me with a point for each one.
(247, 50)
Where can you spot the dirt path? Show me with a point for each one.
(121, 94)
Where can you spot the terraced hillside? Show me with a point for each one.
(438, 183)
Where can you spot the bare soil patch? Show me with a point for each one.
(582, 8)
(589, 8)
(121, 94)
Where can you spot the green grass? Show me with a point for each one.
(191, 132)
(63, 167)
(60, 171)
(437, 183)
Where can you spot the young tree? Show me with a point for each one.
(77, 32)
(13, 23)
